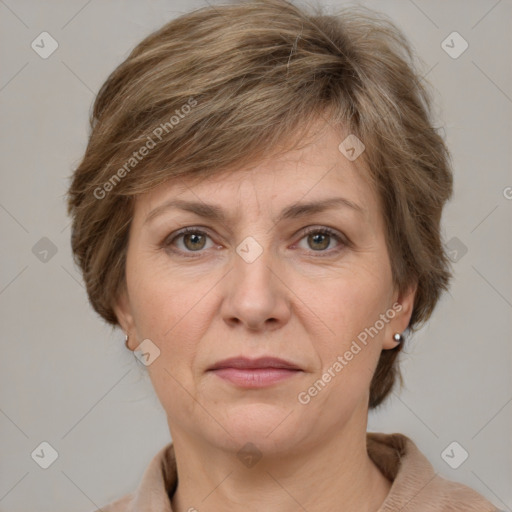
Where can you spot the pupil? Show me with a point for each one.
(318, 238)
(194, 238)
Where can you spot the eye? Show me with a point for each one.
(320, 238)
(193, 240)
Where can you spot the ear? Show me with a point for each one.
(123, 312)
(403, 305)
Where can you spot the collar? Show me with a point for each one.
(416, 487)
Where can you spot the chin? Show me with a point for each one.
(269, 427)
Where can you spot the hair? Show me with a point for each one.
(225, 85)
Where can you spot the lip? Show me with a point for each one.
(246, 363)
(255, 373)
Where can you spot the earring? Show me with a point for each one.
(398, 337)
(126, 341)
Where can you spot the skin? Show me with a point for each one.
(304, 299)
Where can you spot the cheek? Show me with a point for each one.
(171, 316)
(161, 300)
(348, 356)
(354, 303)
(350, 350)
(173, 313)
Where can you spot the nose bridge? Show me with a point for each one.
(255, 294)
(252, 266)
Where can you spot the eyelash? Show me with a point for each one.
(168, 241)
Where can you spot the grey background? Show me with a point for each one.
(67, 379)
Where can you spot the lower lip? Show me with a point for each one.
(254, 378)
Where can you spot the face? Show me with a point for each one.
(262, 273)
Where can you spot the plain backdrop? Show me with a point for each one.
(66, 377)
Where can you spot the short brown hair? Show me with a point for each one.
(228, 84)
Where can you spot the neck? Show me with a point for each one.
(332, 474)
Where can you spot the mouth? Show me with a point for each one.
(255, 373)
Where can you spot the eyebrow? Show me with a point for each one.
(216, 213)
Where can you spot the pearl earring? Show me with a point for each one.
(398, 337)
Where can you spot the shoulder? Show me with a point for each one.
(122, 504)
(152, 493)
(453, 496)
(415, 483)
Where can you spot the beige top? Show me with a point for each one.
(416, 486)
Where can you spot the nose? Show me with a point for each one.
(256, 296)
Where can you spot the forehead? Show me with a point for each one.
(314, 170)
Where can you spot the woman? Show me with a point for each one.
(258, 209)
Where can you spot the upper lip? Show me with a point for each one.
(260, 362)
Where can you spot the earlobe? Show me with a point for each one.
(404, 306)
